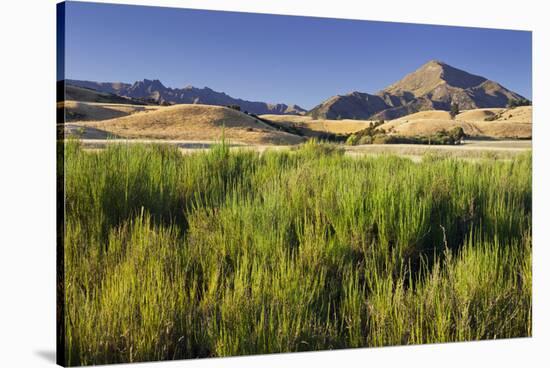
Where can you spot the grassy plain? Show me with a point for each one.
(224, 252)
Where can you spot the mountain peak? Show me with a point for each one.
(436, 62)
(434, 85)
(431, 75)
(154, 83)
(433, 68)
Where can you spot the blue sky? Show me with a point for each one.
(275, 58)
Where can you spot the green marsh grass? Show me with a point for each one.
(218, 253)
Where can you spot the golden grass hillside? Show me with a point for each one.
(94, 111)
(192, 122)
(74, 93)
(500, 123)
(344, 126)
(478, 114)
(494, 122)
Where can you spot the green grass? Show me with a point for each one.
(171, 256)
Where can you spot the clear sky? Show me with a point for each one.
(279, 59)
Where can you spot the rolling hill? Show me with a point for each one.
(494, 123)
(193, 122)
(76, 103)
(310, 126)
(434, 86)
(84, 94)
(96, 111)
(491, 122)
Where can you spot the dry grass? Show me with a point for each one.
(193, 122)
(430, 114)
(478, 114)
(505, 129)
(427, 126)
(205, 122)
(470, 150)
(507, 123)
(345, 126)
(96, 111)
(74, 93)
(288, 118)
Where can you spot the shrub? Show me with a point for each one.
(440, 138)
(518, 102)
(234, 107)
(352, 140)
(365, 140)
(315, 148)
(457, 134)
(370, 131)
(454, 110)
(384, 139)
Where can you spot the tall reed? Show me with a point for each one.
(171, 256)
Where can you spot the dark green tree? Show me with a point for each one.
(454, 110)
(519, 102)
(457, 134)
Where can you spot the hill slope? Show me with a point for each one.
(155, 91)
(310, 127)
(434, 86)
(84, 94)
(492, 122)
(96, 111)
(193, 122)
(495, 123)
(354, 105)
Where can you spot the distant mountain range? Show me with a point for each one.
(434, 86)
(155, 91)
